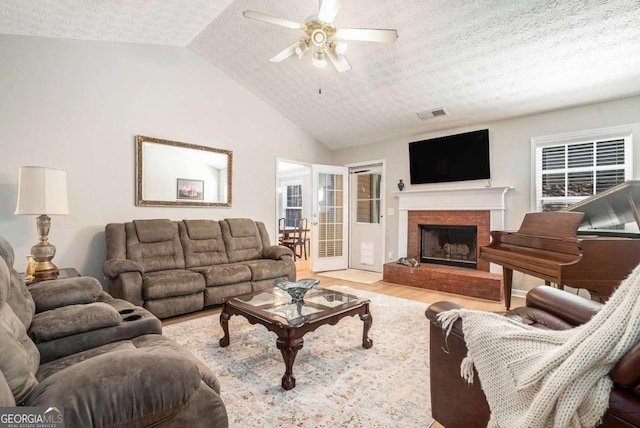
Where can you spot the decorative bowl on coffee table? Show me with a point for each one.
(296, 289)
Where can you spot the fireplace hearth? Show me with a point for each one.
(483, 207)
(450, 245)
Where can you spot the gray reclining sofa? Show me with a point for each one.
(176, 267)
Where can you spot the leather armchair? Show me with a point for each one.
(454, 403)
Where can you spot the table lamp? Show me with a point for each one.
(43, 191)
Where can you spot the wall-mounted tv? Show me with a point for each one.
(452, 158)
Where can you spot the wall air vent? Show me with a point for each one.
(431, 114)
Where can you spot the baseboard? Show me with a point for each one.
(519, 293)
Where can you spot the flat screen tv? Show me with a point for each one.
(458, 157)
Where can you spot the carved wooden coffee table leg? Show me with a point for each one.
(368, 320)
(224, 323)
(289, 347)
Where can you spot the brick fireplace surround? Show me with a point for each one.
(480, 207)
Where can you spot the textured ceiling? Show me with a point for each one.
(481, 60)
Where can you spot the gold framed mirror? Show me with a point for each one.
(172, 173)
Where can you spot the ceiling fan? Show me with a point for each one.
(323, 37)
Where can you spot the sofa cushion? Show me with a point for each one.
(126, 388)
(156, 341)
(241, 239)
(266, 269)
(154, 230)
(170, 283)
(18, 296)
(172, 306)
(52, 367)
(202, 243)
(73, 319)
(158, 247)
(53, 294)
(19, 357)
(215, 295)
(224, 274)
(6, 396)
(20, 299)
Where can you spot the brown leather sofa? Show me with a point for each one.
(454, 403)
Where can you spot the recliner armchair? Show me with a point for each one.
(71, 315)
(97, 377)
(454, 403)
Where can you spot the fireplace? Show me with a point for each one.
(464, 223)
(452, 245)
(481, 207)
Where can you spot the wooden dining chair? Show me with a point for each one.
(305, 241)
(298, 240)
(281, 226)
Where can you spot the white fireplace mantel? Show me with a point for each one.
(472, 199)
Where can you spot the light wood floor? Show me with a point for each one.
(390, 289)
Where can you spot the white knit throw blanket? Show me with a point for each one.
(545, 378)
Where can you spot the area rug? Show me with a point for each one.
(338, 383)
(354, 275)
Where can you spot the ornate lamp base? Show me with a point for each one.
(43, 251)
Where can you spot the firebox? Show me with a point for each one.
(449, 245)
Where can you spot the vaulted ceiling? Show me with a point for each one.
(480, 60)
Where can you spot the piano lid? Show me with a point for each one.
(615, 206)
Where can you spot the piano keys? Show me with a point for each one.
(550, 246)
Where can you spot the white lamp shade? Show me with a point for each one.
(42, 191)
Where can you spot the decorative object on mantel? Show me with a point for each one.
(42, 191)
(401, 185)
(296, 289)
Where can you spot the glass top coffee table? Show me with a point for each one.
(290, 321)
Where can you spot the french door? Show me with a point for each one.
(329, 218)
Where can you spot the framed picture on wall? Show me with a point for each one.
(190, 189)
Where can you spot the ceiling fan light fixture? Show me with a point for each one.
(302, 48)
(319, 59)
(339, 48)
(318, 37)
(321, 32)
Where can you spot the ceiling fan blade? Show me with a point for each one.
(271, 19)
(328, 10)
(367, 34)
(286, 53)
(339, 61)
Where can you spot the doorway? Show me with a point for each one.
(366, 219)
(293, 193)
(323, 192)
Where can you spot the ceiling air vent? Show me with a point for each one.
(430, 114)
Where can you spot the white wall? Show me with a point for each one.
(78, 105)
(510, 158)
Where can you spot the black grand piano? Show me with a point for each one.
(573, 247)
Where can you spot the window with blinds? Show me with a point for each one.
(566, 173)
(293, 205)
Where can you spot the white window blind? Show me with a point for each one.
(293, 205)
(567, 172)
